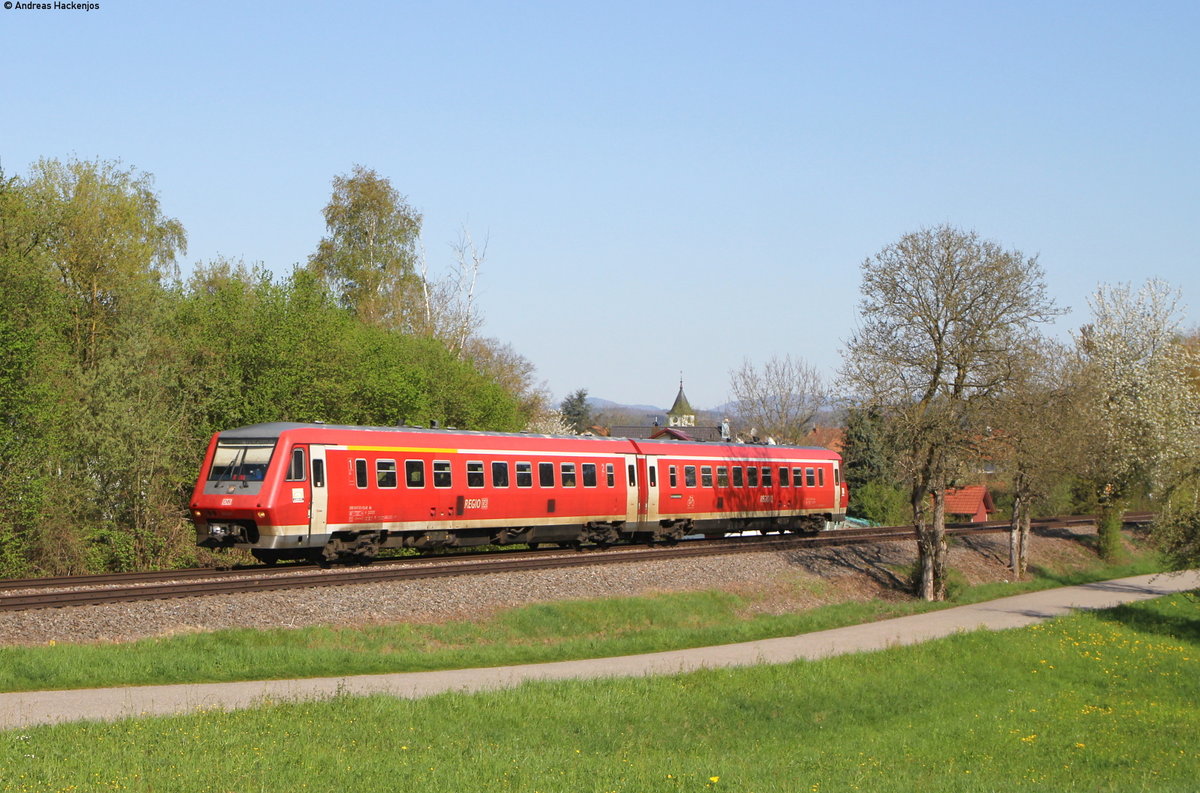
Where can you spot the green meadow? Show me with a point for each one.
(532, 634)
(1102, 701)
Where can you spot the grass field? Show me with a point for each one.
(1104, 701)
(533, 634)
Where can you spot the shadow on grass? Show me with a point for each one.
(1146, 620)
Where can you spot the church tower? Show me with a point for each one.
(681, 413)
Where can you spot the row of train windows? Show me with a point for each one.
(788, 477)
(414, 474)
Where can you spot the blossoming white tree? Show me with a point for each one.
(1142, 408)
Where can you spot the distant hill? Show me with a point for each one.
(597, 405)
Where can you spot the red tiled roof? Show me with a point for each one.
(969, 500)
(832, 438)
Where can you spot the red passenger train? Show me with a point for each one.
(332, 493)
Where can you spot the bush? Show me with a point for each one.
(881, 503)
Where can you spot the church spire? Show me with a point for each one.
(681, 413)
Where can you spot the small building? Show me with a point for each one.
(969, 504)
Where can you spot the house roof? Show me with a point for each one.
(967, 500)
(832, 438)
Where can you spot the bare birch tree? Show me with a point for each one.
(943, 313)
(448, 308)
(781, 399)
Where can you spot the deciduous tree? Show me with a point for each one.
(943, 313)
(369, 255)
(1145, 417)
(780, 399)
(106, 237)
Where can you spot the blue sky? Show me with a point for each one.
(664, 186)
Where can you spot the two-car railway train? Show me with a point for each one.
(340, 494)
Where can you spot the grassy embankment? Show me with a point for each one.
(532, 634)
(1102, 701)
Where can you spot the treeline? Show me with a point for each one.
(114, 371)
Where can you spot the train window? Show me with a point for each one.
(722, 476)
(360, 473)
(689, 476)
(385, 473)
(751, 476)
(296, 466)
(766, 476)
(632, 469)
(671, 475)
(784, 481)
(475, 473)
(546, 474)
(318, 473)
(442, 476)
(414, 473)
(499, 474)
(241, 460)
(568, 474)
(524, 474)
(610, 474)
(820, 477)
(653, 472)
(706, 476)
(797, 477)
(589, 474)
(810, 477)
(737, 476)
(837, 475)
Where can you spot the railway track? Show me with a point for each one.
(58, 592)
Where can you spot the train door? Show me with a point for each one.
(633, 495)
(647, 468)
(319, 506)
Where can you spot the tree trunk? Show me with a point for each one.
(940, 551)
(925, 544)
(1023, 558)
(1014, 537)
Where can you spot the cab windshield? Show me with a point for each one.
(241, 460)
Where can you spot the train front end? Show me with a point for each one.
(236, 501)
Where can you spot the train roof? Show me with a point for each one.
(276, 428)
(662, 446)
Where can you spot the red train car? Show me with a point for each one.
(336, 493)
